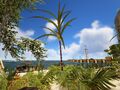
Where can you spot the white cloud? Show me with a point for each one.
(96, 38)
(51, 26)
(52, 54)
(67, 52)
(26, 34)
(71, 51)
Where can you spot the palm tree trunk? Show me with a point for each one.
(61, 62)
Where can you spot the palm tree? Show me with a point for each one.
(60, 26)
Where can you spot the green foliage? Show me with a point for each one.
(10, 11)
(33, 46)
(3, 83)
(71, 78)
(60, 26)
(3, 80)
(114, 51)
(30, 80)
(79, 78)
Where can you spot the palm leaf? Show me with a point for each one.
(45, 36)
(66, 15)
(113, 37)
(62, 11)
(59, 18)
(48, 12)
(59, 12)
(46, 19)
(49, 30)
(67, 24)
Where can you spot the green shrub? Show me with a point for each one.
(3, 82)
(30, 80)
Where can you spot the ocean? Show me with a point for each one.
(11, 65)
(8, 64)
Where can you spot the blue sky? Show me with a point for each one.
(93, 27)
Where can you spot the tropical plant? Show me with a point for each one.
(60, 26)
(97, 80)
(114, 50)
(79, 78)
(31, 80)
(3, 80)
(3, 83)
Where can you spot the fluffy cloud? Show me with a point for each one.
(26, 34)
(52, 54)
(71, 51)
(96, 38)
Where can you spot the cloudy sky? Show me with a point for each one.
(93, 28)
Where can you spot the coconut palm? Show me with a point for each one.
(60, 26)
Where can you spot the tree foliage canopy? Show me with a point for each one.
(10, 11)
(114, 50)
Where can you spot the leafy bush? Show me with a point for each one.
(3, 82)
(79, 78)
(30, 80)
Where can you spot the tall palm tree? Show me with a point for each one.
(60, 26)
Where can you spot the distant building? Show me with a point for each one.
(117, 25)
(107, 59)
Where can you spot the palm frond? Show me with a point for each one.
(113, 37)
(46, 19)
(45, 35)
(59, 18)
(62, 12)
(53, 31)
(65, 16)
(47, 12)
(67, 24)
(59, 11)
